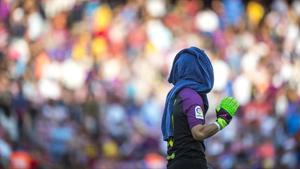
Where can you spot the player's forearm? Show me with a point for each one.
(201, 132)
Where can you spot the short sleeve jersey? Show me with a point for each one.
(188, 111)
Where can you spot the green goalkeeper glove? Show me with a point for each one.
(225, 111)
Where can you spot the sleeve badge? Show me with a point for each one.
(199, 113)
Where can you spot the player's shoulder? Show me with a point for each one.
(189, 93)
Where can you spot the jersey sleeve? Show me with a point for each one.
(193, 107)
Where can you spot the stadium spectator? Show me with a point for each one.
(83, 81)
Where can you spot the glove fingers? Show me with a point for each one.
(232, 102)
(229, 104)
(224, 101)
(227, 101)
(236, 106)
(233, 105)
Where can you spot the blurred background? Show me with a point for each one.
(83, 82)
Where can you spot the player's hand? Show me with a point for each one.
(226, 110)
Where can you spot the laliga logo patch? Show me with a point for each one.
(198, 113)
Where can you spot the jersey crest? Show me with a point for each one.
(199, 113)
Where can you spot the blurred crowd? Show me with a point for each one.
(83, 82)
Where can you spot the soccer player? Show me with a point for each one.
(183, 123)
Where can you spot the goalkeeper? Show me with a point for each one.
(183, 123)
